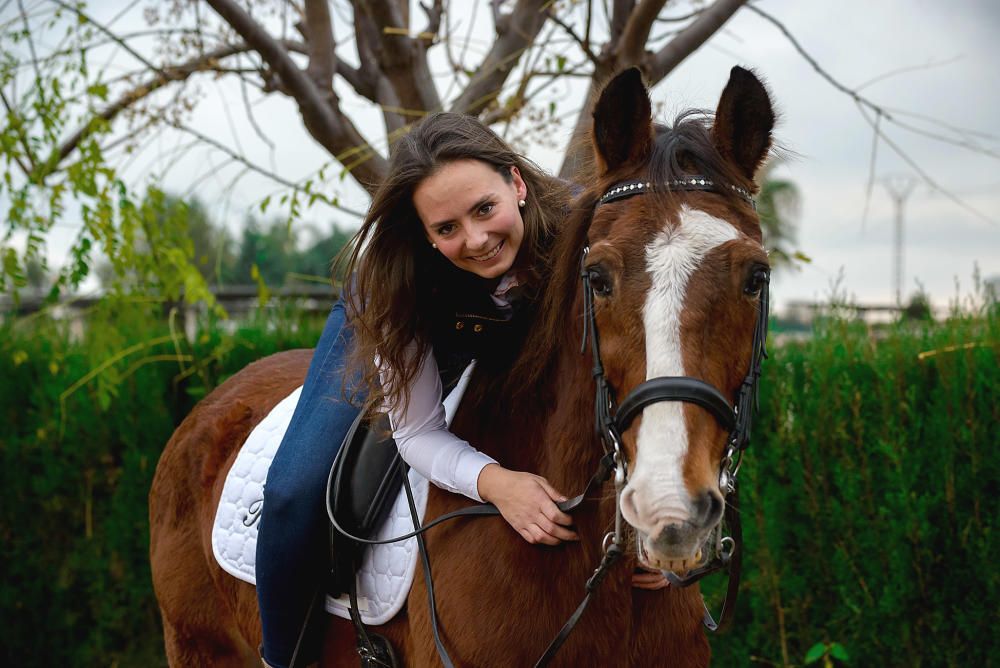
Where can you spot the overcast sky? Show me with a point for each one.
(953, 47)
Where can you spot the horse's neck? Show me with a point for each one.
(549, 430)
(571, 450)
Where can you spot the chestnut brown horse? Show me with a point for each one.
(674, 289)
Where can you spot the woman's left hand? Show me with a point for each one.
(647, 579)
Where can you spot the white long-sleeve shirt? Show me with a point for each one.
(423, 438)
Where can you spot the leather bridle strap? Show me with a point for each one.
(675, 388)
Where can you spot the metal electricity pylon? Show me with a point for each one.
(900, 188)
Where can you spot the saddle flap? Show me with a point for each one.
(367, 475)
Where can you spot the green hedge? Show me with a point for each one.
(75, 471)
(869, 494)
(870, 499)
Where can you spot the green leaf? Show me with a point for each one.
(838, 652)
(196, 391)
(815, 653)
(98, 90)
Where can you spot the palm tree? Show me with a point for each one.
(778, 205)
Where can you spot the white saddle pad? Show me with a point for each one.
(386, 570)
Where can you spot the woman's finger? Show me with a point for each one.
(541, 536)
(554, 494)
(553, 529)
(553, 514)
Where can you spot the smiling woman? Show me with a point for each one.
(458, 233)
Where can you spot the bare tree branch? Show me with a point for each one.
(633, 42)
(865, 105)
(690, 38)
(319, 38)
(582, 42)
(164, 76)
(433, 13)
(15, 118)
(402, 59)
(515, 34)
(620, 12)
(383, 93)
(325, 123)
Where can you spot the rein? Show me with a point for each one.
(609, 423)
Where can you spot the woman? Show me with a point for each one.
(445, 268)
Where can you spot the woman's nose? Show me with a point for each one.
(476, 238)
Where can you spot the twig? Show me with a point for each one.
(880, 112)
(12, 114)
(923, 174)
(253, 123)
(576, 38)
(903, 70)
(871, 171)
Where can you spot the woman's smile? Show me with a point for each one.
(490, 255)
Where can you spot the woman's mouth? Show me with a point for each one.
(490, 255)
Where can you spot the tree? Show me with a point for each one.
(778, 202)
(71, 124)
(62, 133)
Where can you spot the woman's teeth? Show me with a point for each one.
(492, 254)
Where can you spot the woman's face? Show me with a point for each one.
(470, 212)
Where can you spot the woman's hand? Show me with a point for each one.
(528, 503)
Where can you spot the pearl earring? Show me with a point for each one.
(433, 245)
(521, 203)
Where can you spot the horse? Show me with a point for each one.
(672, 282)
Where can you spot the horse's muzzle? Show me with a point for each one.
(678, 544)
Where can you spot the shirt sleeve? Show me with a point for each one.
(423, 438)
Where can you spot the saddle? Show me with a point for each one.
(364, 482)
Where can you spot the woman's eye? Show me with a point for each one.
(486, 209)
(445, 230)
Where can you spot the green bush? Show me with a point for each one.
(869, 493)
(869, 499)
(76, 463)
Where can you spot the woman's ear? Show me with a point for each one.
(519, 185)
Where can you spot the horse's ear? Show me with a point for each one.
(623, 125)
(743, 122)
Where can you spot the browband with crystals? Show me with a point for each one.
(693, 182)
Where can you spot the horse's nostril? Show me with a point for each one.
(629, 509)
(708, 507)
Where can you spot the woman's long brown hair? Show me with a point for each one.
(392, 267)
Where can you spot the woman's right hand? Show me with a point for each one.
(528, 503)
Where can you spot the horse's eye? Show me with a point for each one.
(600, 282)
(758, 278)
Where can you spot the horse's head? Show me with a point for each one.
(676, 276)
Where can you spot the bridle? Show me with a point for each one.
(610, 421)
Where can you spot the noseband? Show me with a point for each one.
(611, 421)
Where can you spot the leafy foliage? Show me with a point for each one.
(869, 498)
(868, 493)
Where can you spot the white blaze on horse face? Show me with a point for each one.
(658, 496)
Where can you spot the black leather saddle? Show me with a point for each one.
(366, 477)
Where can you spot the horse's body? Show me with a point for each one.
(501, 600)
